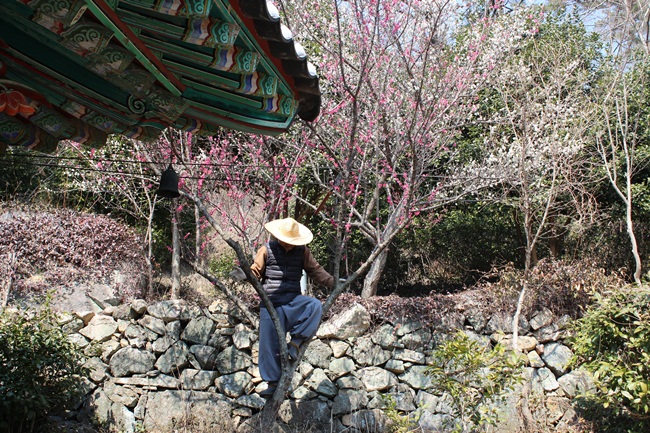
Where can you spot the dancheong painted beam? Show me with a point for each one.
(84, 69)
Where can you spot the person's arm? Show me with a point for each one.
(259, 264)
(315, 271)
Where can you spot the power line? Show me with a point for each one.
(35, 156)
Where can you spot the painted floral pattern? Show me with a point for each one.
(13, 103)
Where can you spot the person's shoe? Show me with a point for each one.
(270, 389)
(293, 348)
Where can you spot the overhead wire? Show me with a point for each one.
(178, 163)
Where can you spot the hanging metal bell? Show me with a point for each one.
(168, 184)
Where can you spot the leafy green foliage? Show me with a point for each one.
(221, 265)
(39, 368)
(400, 423)
(454, 250)
(477, 377)
(612, 341)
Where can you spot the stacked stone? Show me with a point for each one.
(170, 364)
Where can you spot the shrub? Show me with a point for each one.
(59, 248)
(39, 368)
(612, 340)
(477, 377)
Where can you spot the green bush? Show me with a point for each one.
(477, 377)
(612, 340)
(39, 369)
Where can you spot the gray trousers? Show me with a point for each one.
(300, 318)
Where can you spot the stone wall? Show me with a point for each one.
(167, 365)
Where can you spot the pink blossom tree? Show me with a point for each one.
(400, 79)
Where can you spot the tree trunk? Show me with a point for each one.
(5, 284)
(635, 246)
(371, 281)
(197, 224)
(176, 255)
(555, 241)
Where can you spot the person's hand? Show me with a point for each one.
(237, 274)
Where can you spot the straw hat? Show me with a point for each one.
(290, 231)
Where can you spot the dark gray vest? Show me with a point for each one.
(283, 273)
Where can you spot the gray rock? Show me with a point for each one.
(199, 330)
(349, 382)
(96, 369)
(173, 329)
(541, 318)
(205, 355)
(557, 357)
(352, 322)
(385, 336)
(416, 378)
(303, 393)
(124, 312)
(426, 401)
(365, 353)
(376, 379)
(407, 327)
(253, 401)
(139, 306)
(198, 380)
(72, 327)
(161, 345)
(138, 410)
(395, 366)
(318, 354)
(373, 420)
(166, 411)
(153, 324)
(577, 383)
(546, 378)
(419, 339)
(233, 385)
(502, 322)
(100, 328)
(139, 335)
(232, 360)
(525, 343)
(78, 339)
(476, 319)
(555, 408)
(568, 420)
(220, 341)
(408, 355)
(243, 337)
(129, 361)
(349, 400)
(339, 348)
(161, 381)
(553, 332)
(305, 413)
(106, 412)
(534, 360)
(108, 349)
(174, 359)
(121, 395)
(341, 366)
(320, 383)
(435, 423)
(404, 397)
(167, 310)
